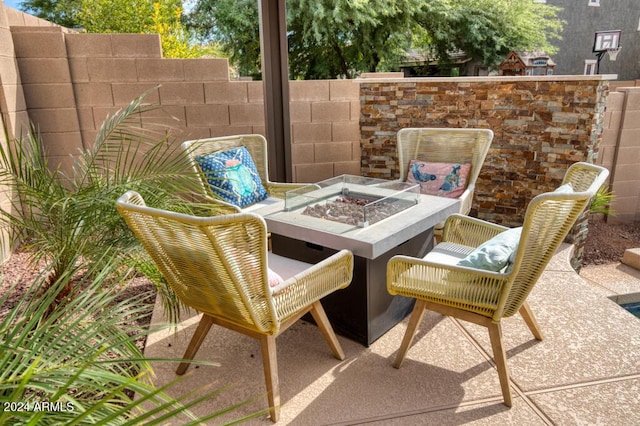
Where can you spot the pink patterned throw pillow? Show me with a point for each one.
(235, 256)
(443, 179)
(274, 279)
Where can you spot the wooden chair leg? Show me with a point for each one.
(437, 236)
(530, 320)
(414, 321)
(270, 366)
(198, 337)
(320, 317)
(500, 358)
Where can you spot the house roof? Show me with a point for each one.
(528, 57)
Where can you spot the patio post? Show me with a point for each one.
(275, 77)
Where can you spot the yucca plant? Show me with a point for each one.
(62, 217)
(80, 364)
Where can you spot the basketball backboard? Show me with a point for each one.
(605, 40)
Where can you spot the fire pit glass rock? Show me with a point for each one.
(353, 200)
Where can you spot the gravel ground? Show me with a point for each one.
(607, 242)
(19, 271)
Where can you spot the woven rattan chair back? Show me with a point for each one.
(445, 146)
(481, 296)
(548, 220)
(215, 265)
(218, 266)
(256, 145)
(585, 177)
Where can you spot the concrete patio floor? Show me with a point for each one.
(585, 371)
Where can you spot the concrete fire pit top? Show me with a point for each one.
(368, 242)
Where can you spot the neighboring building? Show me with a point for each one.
(527, 63)
(583, 19)
(417, 64)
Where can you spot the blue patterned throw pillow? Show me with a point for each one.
(233, 176)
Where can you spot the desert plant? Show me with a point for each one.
(601, 203)
(62, 217)
(80, 364)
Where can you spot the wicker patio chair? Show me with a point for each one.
(220, 267)
(444, 283)
(444, 145)
(256, 145)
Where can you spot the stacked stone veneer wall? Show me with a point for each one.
(541, 126)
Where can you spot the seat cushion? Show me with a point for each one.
(448, 253)
(495, 254)
(443, 179)
(284, 268)
(232, 175)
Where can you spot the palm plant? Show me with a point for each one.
(82, 360)
(68, 342)
(61, 217)
(601, 203)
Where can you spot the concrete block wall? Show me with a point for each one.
(325, 129)
(73, 81)
(611, 129)
(621, 146)
(48, 89)
(13, 109)
(16, 18)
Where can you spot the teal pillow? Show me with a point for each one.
(495, 254)
(233, 176)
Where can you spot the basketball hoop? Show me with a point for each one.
(606, 42)
(613, 53)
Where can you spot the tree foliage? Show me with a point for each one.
(341, 38)
(163, 17)
(331, 39)
(61, 12)
(166, 21)
(234, 24)
(487, 30)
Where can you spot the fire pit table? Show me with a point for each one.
(375, 219)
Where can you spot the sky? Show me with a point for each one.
(13, 3)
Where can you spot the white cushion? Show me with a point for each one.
(448, 253)
(285, 268)
(266, 202)
(567, 188)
